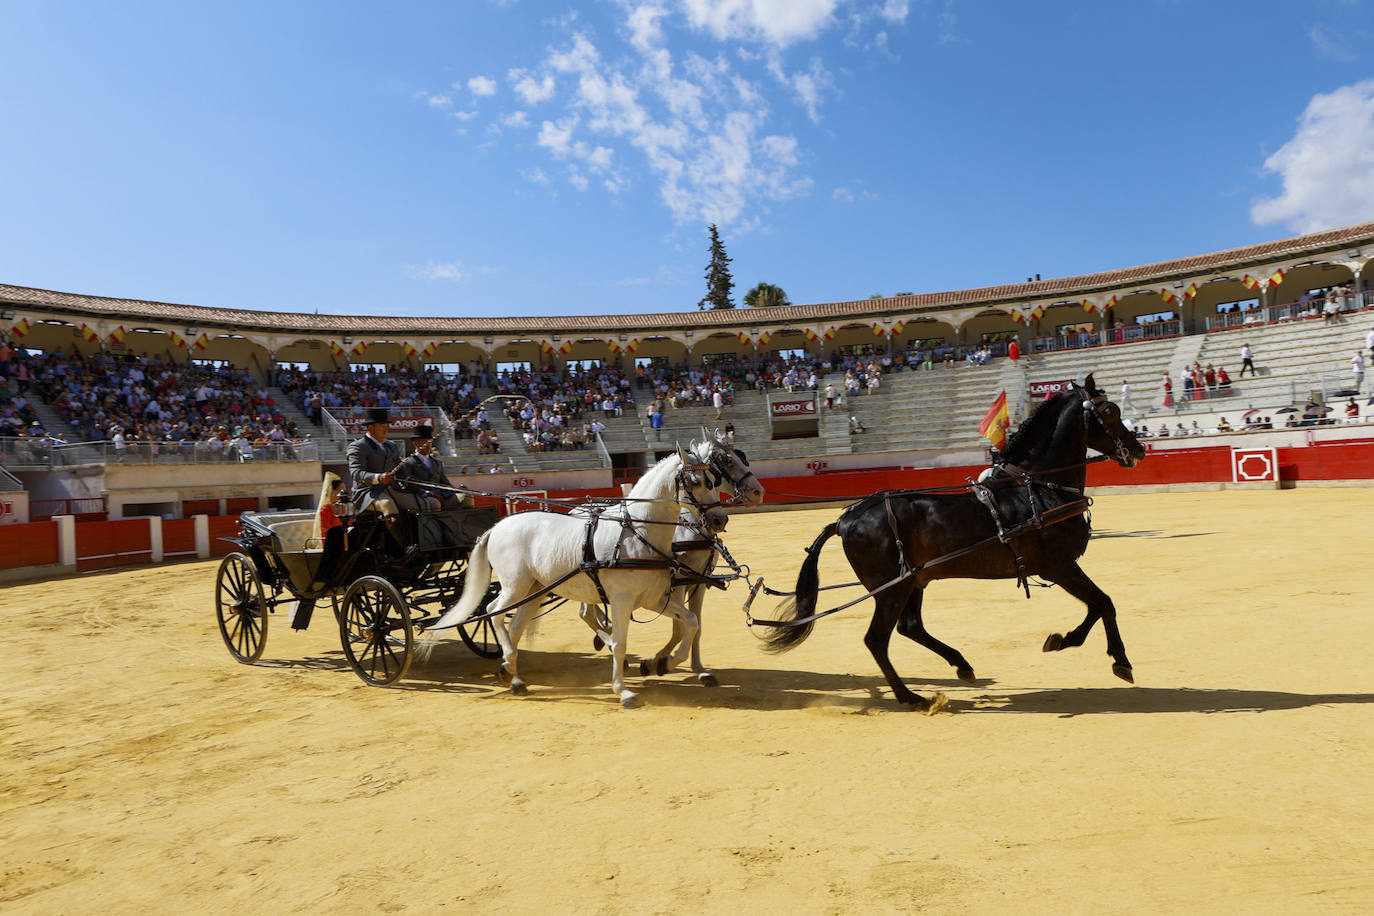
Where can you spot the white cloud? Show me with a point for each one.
(894, 10)
(532, 90)
(557, 136)
(576, 178)
(436, 271)
(849, 195)
(482, 85)
(439, 101)
(463, 115)
(536, 175)
(634, 281)
(1328, 166)
(1330, 44)
(777, 22)
(844, 195)
(516, 119)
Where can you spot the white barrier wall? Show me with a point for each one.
(14, 507)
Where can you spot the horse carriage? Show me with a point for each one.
(379, 596)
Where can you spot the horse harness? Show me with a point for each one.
(1039, 517)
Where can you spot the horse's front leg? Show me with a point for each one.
(704, 675)
(620, 631)
(593, 616)
(659, 663)
(686, 621)
(1076, 582)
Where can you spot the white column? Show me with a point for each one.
(155, 538)
(66, 539)
(202, 535)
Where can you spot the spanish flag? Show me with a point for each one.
(829, 333)
(408, 348)
(1276, 277)
(1249, 282)
(1191, 291)
(633, 345)
(1017, 316)
(359, 348)
(335, 348)
(612, 344)
(565, 347)
(88, 333)
(202, 341)
(545, 347)
(765, 337)
(20, 328)
(897, 328)
(995, 421)
(176, 339)
(430, 349)
(745, 338)
(1038, 312)
(878, 329)
(1167, 295)
(1089, 306)
(117, 335)
(1111, 301)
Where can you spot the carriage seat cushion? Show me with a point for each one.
(292, 532)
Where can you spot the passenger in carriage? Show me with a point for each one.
(423, 473)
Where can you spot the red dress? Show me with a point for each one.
(1168, 393)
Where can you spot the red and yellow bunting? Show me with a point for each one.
(408, 348)
(88, 333)
(177, 340)
(765, 337)
(545, 347)
(1249, 282)
(1111, 302)
(1089, 306)
(633, 345)
(335, 349)
(358, 348)
(1276, 277)
(1191, 292)
(430, 349)
(879, 330)
(612, 344)
(1038, 312)
(565, 347)
(20, 328)
(897, 328)
(829, 333)
(117, 335)
(811, 335)
(203, 341)
(1017, 317)
(745, 338)
(1168, 296)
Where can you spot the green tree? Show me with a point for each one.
(765, 295)
(718, 279)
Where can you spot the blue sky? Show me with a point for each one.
(514, 157)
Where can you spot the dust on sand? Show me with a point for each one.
(143, 768)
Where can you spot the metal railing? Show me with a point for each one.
(1079, 340)
(1291, 311)
(602, 451)
(47, 454)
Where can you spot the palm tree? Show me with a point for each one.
(765, 295)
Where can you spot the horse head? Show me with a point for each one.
(730, 469)
(696, 490)
(1105, 430)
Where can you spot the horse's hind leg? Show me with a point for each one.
(1076, 582)
(885, 616)
(912, 627)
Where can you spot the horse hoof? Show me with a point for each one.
(644, 668)
(518, 687)
(708, 679)
(662, 667)
(966, 675)
(1124, 672)
(597, 644)
(629, 701)
(1053, 643)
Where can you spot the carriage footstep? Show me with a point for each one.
(1053, 643)
(1124, 672)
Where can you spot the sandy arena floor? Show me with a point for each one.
(143, 770)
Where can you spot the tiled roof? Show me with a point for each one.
(1199, 266)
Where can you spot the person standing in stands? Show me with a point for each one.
(1247, 361)
(1126, 396)
(1357, 369)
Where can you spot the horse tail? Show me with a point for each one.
(803, 602)
(476, 578)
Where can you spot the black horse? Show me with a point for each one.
(1029, 520)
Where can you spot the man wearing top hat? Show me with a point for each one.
(372, 462)
(424, 467)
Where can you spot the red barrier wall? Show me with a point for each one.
(102, 545)
(223, 526)
(178, 537)
(29, 544)
(1352, 459)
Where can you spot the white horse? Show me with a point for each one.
(735, 476)
(532, 551)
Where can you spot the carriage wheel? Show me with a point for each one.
(241, 608)
(375, 630)
(480, 637)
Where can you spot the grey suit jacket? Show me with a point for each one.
(367, 460)
(417, 475)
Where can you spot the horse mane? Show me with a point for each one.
(1037, 428)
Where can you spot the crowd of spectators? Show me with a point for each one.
(131, 401)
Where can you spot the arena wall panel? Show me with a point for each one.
(103, 545)
(28, 544)
(178, 537)
(223, 526)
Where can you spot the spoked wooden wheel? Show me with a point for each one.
(480, 637)
(375, 630)
(241, 608)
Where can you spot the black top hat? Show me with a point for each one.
(378, 415)
(423, 432)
